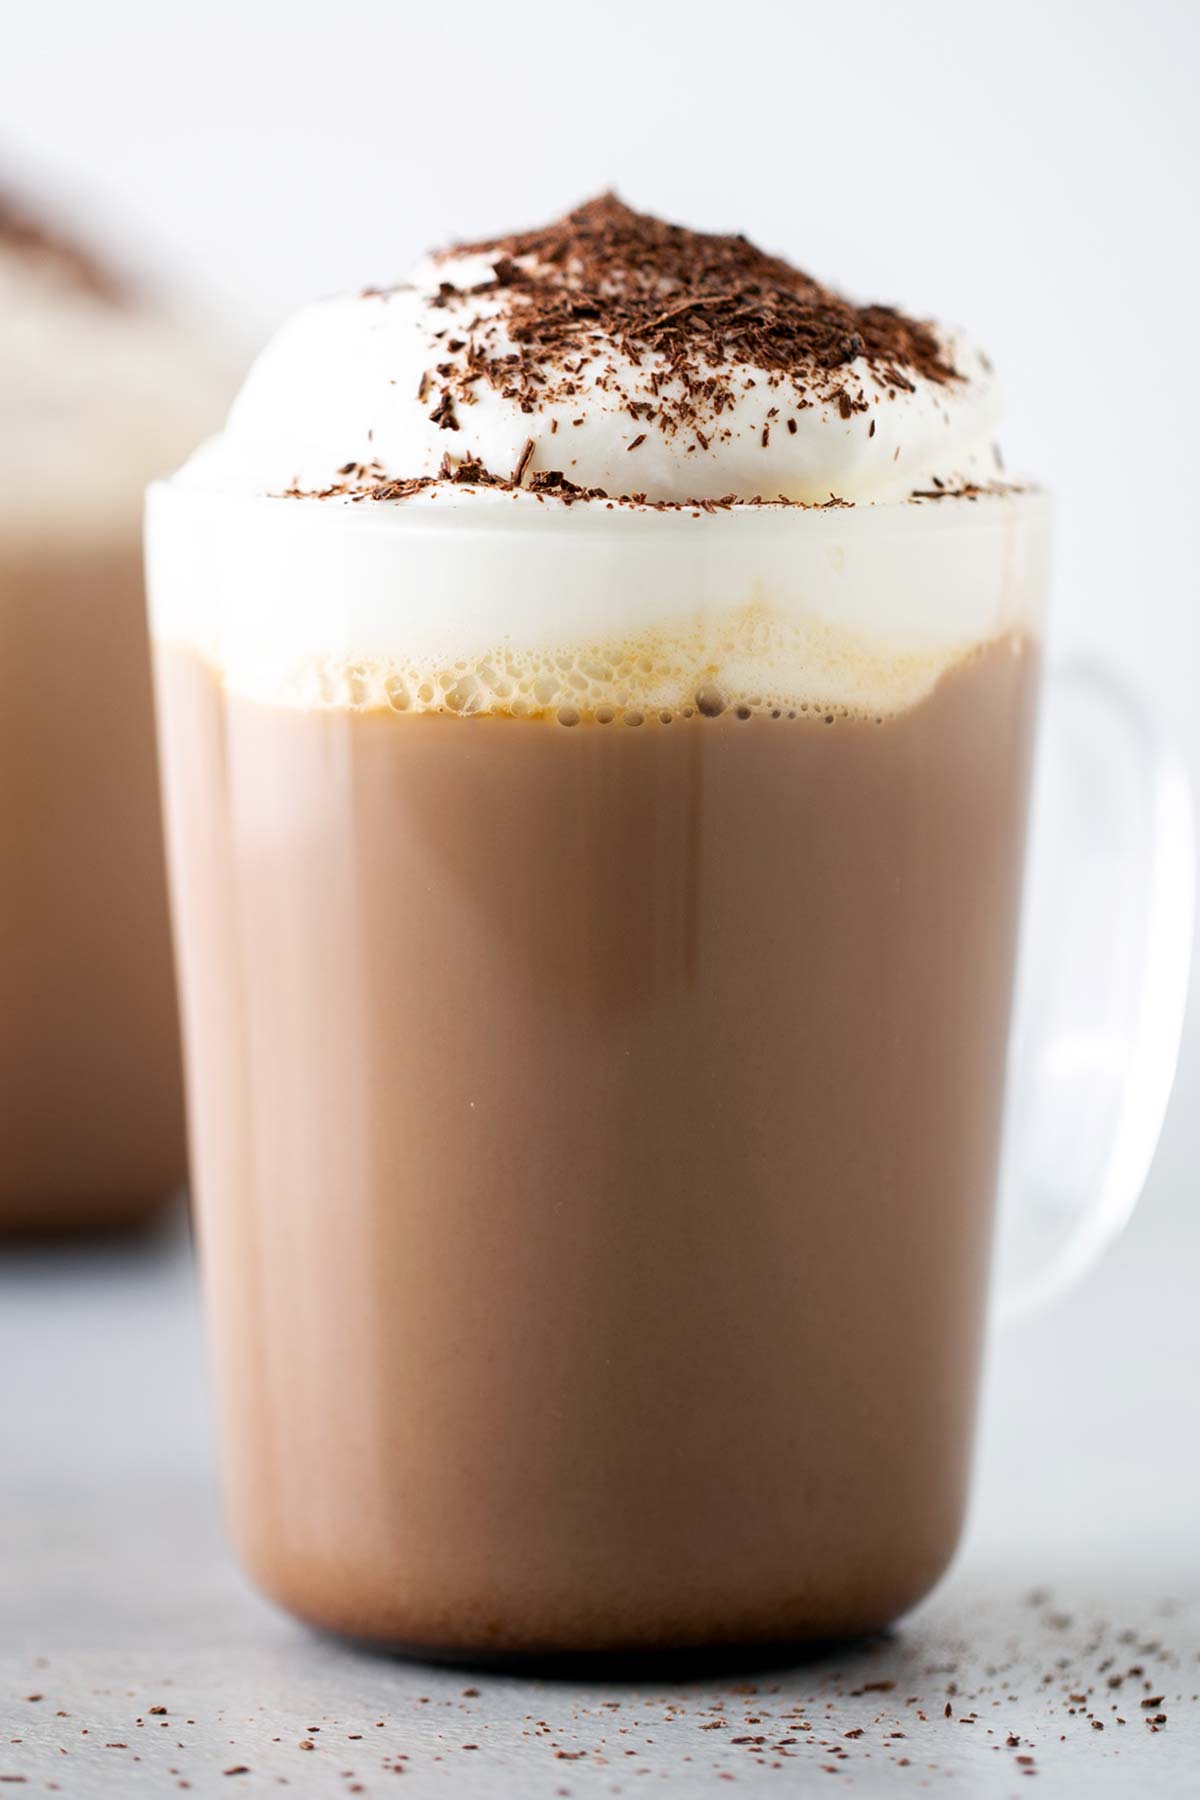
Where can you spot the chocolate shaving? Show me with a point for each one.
(523, 462)
(443, 413)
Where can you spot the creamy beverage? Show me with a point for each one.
(99, 394)
(595, 890)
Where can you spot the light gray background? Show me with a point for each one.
(1029, 169)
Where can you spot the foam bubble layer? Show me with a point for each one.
(541, 610)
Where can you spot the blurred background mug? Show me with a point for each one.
(103, 388)
(596, 932)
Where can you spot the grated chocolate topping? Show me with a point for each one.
(699, 315)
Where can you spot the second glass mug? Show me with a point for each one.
(596, 1008)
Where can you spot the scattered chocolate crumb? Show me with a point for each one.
(443, 413)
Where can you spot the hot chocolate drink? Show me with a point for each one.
(99, 393)
(595, 913)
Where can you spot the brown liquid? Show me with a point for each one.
(595, 1137)
(91, 1111)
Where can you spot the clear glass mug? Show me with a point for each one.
(596, 1039)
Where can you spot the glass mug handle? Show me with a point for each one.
(1101, 983)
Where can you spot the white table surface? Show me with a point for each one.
(118, 1595)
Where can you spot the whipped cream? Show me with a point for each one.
(412, 381)
(101, 393)
(449, 497)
